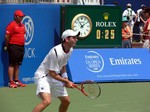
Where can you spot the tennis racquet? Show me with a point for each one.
(89, 88)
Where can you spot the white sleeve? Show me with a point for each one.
(53, 61)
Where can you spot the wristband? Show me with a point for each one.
(64, 75)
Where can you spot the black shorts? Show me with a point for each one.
(16, 54)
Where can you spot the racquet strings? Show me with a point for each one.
(91, 89)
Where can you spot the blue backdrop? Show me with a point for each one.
(110, 65)
(43, 26)
(43, 32)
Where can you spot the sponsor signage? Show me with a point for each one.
(99, 26)
(108, 65)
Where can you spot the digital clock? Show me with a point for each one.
(106, 34)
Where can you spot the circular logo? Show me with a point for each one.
(29, 26)
(94, 61)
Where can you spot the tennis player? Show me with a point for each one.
(51, 76)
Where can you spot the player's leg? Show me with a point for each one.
(46, 100)
(65, 101)
(58, 90)
(43, 92)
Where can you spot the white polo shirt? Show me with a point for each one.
(54, 60)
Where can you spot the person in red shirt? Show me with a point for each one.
(126, 34)
(146, 29)
(14, 44)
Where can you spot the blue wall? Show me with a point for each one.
(110, 65)
(43, 26)
(43, 32)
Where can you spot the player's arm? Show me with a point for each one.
(53, 66)
(63, 72)
(56, 76)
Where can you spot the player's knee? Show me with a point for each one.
(66, 102)
(46, 102)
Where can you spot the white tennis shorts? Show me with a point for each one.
(50, 85)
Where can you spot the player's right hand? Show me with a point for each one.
(69, 84)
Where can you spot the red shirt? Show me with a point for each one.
(16, 32)
(147, 28)
(125, 31)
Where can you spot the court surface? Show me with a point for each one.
(115, 97)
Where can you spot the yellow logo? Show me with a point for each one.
(106, 16)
